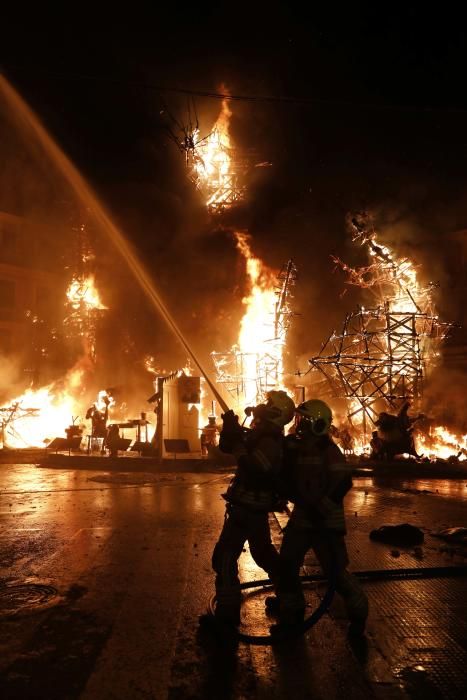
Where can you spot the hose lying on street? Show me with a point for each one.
(370, 575)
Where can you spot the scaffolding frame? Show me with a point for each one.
(224, 185)
(9, 416)
(221, 189)
(381, 356)
(81, 319)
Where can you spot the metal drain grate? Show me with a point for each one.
(25, 596)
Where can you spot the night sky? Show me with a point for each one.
(355, 108)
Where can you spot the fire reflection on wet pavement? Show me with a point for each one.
(126, 560)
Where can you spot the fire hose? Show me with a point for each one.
(370, 575)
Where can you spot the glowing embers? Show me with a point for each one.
(150, 365)
(255, 364)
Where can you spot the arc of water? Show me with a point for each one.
(84, 191)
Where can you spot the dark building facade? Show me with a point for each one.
(32, 290)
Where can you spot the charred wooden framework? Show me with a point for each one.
(81, 318)
(10, 422)
(381, 356)
(220, 179)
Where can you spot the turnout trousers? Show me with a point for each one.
(241, 524)
(331, 552)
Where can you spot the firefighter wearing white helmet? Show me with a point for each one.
(252, 494)
(318, 479)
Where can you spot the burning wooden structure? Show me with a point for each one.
(83, 306)
(256, 364)
(383, 353)
(217, 168)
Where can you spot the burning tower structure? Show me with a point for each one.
(216, 168)
(83, 306)
(219, 170)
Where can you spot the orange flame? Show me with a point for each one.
(212, 164)
(441, 443)
(151, 366)
(40, 415)
(83, 292)
(256, 340)
(254, 365)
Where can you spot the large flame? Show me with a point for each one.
(255, 364)
(257, 342)
(441, 443)
(212, 164)
(37, 416)
(82, 292)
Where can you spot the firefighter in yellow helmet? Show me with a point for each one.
(251, 495)
(316, 481)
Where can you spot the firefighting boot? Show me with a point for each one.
(290, 623)
(218, 631)
(285, 630)
(221, 618)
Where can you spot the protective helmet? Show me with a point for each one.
(280, 408)
(317, 414)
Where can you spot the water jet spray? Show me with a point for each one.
(87, 196)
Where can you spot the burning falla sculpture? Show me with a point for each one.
(381, 357)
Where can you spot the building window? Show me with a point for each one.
(7, 294)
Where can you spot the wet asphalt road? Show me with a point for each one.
(103, 576)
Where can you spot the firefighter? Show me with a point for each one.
(251, 495)
(317, 482)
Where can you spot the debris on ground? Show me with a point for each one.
(404, 535)
(456, 535)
